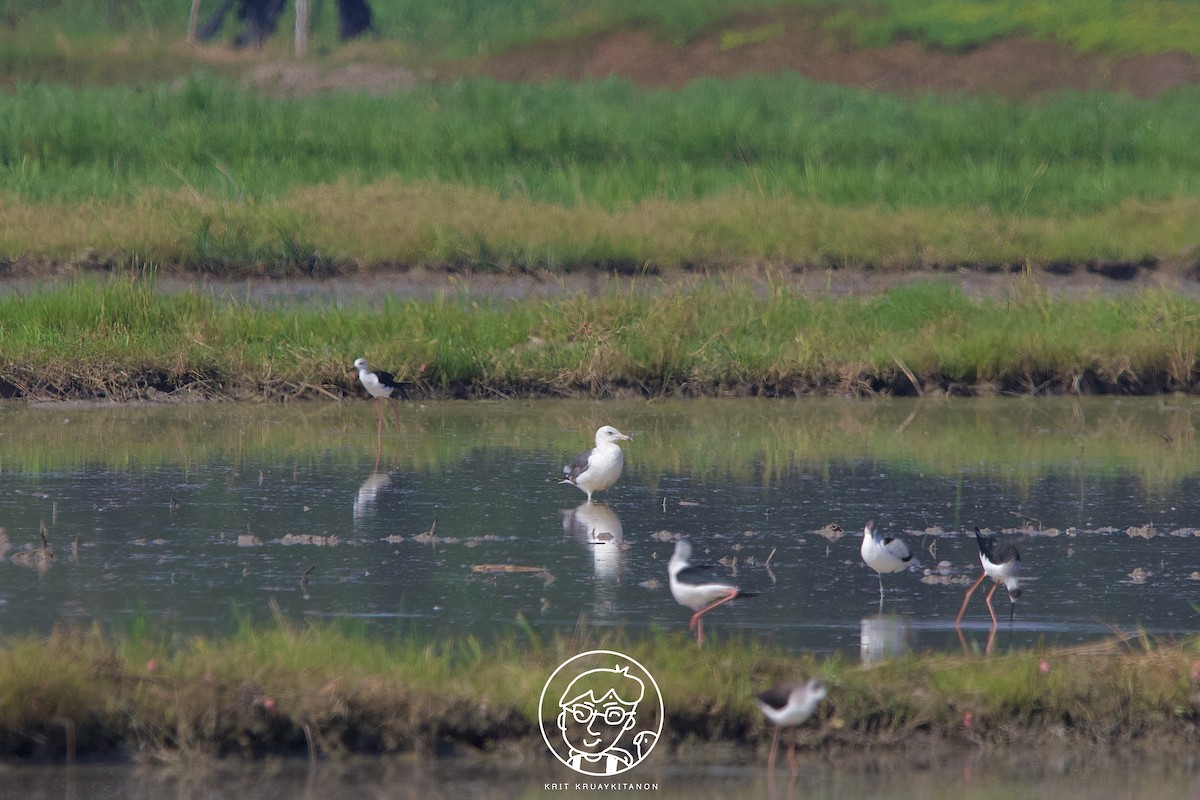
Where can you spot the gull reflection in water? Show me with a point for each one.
(883, 636)
(364, 499)
(599, 528)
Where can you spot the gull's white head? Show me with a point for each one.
(608, 434)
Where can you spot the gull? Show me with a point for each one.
(598, 468)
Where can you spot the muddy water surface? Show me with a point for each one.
(961, 775)
(195, 516)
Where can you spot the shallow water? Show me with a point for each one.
(959, 775)
(183, 515)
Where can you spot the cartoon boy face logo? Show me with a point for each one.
(608, 714)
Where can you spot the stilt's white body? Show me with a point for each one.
(694, 587)
(598, 468)
(787, 706)
(883, 554)
(1007, 571)
(697, 587)
(378, 384)
(791, 703)
(1002, 563)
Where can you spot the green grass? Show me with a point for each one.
(119, 338)
(561, 177)
(606, 144)
(288, 687)
(1116, 27)
(126, 150)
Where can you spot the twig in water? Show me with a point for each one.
(304, 578)
(908, 374)
(312, 745)
(1026, 519)
(488, 568)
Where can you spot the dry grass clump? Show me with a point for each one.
(347, 227)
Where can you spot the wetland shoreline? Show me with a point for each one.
(319, 692)
(1071, 270)
(753, 335)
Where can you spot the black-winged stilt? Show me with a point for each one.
(381, 386)
(788, 705)
(883, 553)
(1002, 563)
(598, 468)
(698, 587)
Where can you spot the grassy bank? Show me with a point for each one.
(124, 147)
(345, 229)
(121, 339)
(211, 178)
(328, 690)
(607, 143)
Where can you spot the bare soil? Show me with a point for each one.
(795, 40)
(781, 40)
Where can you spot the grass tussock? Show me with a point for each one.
(332, 690)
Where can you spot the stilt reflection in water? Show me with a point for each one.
(368, 493)
(882, 636)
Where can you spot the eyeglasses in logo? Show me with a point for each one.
(601, 712)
